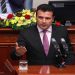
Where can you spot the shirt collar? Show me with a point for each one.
(40, 30)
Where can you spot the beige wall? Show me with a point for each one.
(38, 2)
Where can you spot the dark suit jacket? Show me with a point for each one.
(16, 5)
(35, 52)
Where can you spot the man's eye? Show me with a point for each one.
(48, 18)
(40, 17)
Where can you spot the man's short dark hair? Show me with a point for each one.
(45, 7)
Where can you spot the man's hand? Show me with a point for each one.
(20, 50)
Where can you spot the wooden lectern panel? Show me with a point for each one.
(6, 68)
(8, 38)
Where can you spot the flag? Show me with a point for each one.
(28, 4)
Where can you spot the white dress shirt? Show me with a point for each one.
(48, 33)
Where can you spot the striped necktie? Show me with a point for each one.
(3, 6)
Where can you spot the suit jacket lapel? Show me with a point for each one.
(53, 35)
(36, 41)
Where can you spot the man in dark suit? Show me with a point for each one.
(31, 39)
(16, 5)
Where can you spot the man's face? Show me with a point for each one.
(44, 19)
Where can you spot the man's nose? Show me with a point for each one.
(44, 20)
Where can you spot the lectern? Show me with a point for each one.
(6, 68)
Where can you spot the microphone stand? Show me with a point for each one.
(66, 53)
(60, 62)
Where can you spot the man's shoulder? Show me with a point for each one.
(59, 27)
(29, 28)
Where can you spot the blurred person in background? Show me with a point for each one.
(13, 6)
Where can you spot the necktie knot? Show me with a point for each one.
(44, 31)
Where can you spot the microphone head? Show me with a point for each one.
(55, 44)
(62, 39)
(65, 46)
(53, 40)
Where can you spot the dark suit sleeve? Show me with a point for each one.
(21, 42)
(13, 55)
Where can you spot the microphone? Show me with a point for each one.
(66, 49)
(64, 44)
(56, 45)
(58, 56)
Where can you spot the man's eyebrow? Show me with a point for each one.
(40, 16)
(44, 17)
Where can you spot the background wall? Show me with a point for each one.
(38, 2)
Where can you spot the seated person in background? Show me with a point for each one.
(40, 50)
(11, 6)
(16, 5)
